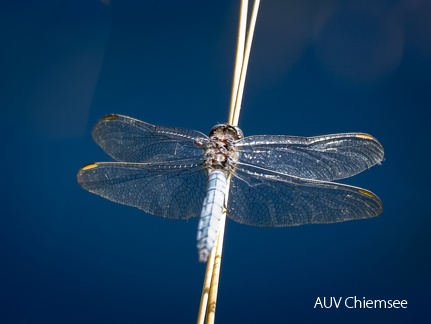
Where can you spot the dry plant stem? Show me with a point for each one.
(206, 288)
(239, 58)
(210, 287)
(209, 281)
(244, 66)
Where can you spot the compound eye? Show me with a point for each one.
(239, 132)
(236, 132)
(226, 129)
(219, 128)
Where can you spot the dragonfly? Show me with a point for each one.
(259, 180)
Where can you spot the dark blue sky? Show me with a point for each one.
(67, 256)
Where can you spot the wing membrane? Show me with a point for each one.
(328, 157)
(270, 199)
(130, 140)
(166, 190)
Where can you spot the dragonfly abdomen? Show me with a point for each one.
(212, 209)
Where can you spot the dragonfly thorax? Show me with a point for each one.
(220, 152)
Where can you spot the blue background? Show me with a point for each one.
(317, 67)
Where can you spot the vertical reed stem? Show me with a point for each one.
(210, 288)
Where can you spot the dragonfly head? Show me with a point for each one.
(226, 130)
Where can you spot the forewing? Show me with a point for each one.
(130, 140)
(275, 200)
(163, 189)
(327, 157)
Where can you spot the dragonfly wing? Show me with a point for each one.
(326, 158)
(272, 199)
(130, 140)
(163, 189)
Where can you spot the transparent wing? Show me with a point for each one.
(270, 199)
(327, 157)
(167, 190)
(130, 140)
